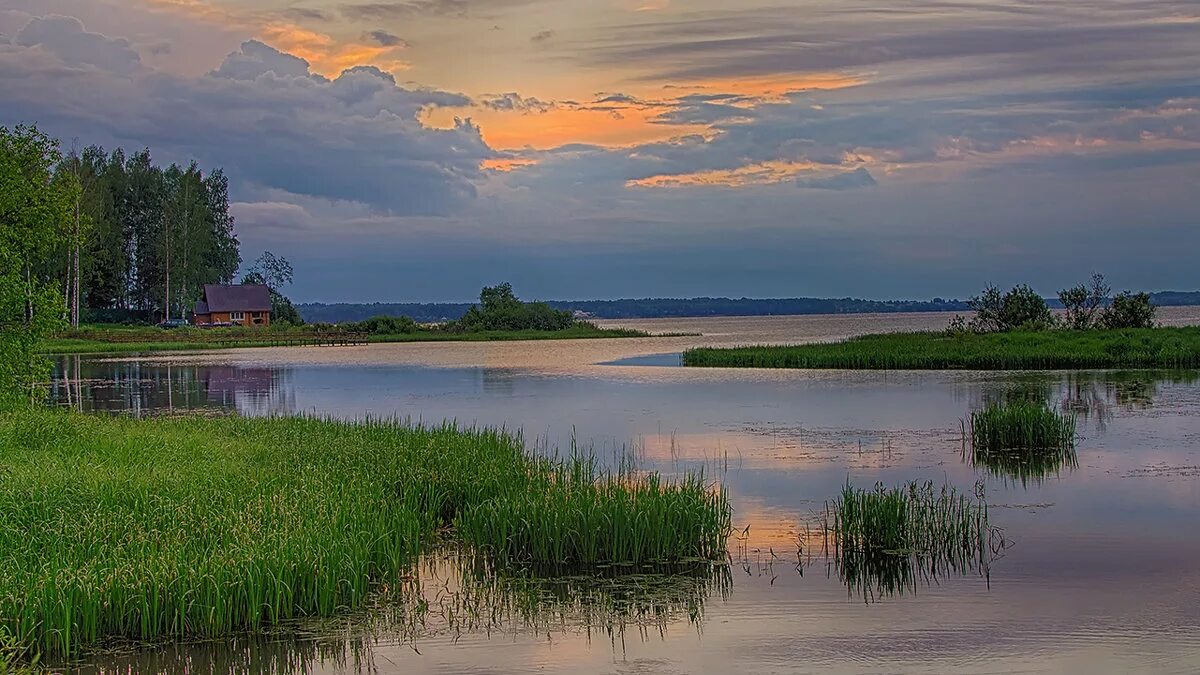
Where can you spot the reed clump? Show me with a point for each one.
(1022, 440)
(882, 541)
(1174, 347)
(145, 530)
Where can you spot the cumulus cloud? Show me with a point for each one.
(267, 120)
(66, 38)
(256, 59)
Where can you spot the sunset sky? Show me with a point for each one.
(416, 150)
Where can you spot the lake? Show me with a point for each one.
(1099, 570)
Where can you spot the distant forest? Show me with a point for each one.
(652, 308)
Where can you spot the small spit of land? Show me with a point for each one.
(143, 530)
(1009, 331)
(1176, 347)
(143, 339)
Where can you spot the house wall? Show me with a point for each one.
(260, 319)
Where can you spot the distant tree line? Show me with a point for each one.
(140, 240)
(499, 309)
(638, 308)
(1086, 306)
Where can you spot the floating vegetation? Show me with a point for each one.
(882, 542)
(135, 530)
(1175, 347)
(1022, 440)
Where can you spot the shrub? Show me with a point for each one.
(1020, 308)
(1083, 302)
(1129, 310)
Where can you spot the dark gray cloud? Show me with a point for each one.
(383, 11)
(385, 39)
(515, 102)
(268, 121)
(65, 37)
(307, 14)
(256, 59)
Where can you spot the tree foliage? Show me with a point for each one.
(1083, 302)
(500, 309)
(34, 206)
(1019, 308)
(1129, 310)
(275, 272)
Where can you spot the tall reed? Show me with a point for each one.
(1022, 440)
(883, 540)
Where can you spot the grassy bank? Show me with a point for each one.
(148, 339)
(1132, 348)
(124, 529)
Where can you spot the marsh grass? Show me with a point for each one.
(150, 339)
(1175, 347)
(883, 541)
(145, 530)
(1022, 440)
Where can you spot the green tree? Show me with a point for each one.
(1129, 310)
(34, 205)
(275, 272)
(1082, 302)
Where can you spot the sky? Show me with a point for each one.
(416, 150)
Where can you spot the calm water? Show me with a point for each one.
(1101, 573)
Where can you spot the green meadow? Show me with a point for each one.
(126, 530)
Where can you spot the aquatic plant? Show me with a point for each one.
(125, 529)
(1175, 347)
(1022, 440)
(882, 541)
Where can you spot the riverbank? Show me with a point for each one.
(1175, 347)
(147, 339)
(127, 530)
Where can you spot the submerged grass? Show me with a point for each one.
(1175, 347)
(882, 541)
(1022, 440)
(144, 530)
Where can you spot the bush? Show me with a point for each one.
(1129, 310)
(1020, 308)
(499, 309)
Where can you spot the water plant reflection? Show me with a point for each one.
(883, 542)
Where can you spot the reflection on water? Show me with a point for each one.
(138, 388)
(1101, 577)
(450, 597)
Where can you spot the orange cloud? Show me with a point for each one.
(761, 173)
(506, 165)
(509, 130)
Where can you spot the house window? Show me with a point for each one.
(237, 316)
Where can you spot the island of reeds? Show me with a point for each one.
(883, 541)
(1012, 331)
(118, 529)
(1021, 440)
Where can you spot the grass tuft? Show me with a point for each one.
(1022, 440)
(883, 540)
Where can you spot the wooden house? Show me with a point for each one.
(236, 305)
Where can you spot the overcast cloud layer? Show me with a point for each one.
(416, 150)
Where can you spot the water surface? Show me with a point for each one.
(1101, 573)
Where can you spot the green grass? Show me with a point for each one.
(1176, 347)
(1022, 440)
(883, 540)
(144, 340)
(144, 530)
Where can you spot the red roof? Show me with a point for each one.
(239, 298)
